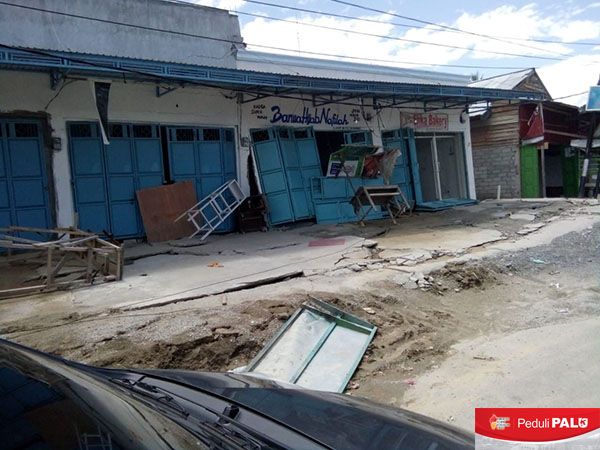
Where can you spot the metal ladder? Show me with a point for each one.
(214, 209)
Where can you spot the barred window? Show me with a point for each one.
(284, 133)
(229, 135)
(142, 131)
(184, 134)
(301, 134)
(80, 130)
(26, 130)
(211, 134)
(115, 131)
(260, 136)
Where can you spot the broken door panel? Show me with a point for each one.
(401, 173)
(293, 170)
(272, 175)
(310, 162)
(414, 165)
(316, 348)
(287, 160)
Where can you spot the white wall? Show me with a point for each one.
(137, 102)
(130, 102)
(29, 28)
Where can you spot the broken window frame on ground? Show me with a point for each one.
(270, 360)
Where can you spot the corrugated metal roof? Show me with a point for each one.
(342, 70)
(506, 81)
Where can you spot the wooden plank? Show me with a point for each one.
(70, 231)
(160, 206)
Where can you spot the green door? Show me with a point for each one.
(530, 185)
(570, 165)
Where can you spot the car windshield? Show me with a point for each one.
(44, 408)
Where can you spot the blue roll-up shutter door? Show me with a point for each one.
(205, 156)
(106, 177)
(23, 180)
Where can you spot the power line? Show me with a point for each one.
(366, 8)
(405, 25)
(572, 95)
(212, 38)
(395, 38)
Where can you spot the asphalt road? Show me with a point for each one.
(551, 366)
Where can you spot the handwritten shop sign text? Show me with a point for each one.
(308, 117)
(426, 121)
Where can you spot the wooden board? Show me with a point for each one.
(161, 205)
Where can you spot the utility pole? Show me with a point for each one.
(588, 151)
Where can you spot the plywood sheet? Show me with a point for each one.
(161, 205)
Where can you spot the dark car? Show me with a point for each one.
(48, 402)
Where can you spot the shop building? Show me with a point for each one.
(184, 105)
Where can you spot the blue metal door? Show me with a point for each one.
(273, 179)
(205, 156)
(414, 165)
(106, 177)
(401, 173)
(287, 161)
(309, 161)
(23, 181)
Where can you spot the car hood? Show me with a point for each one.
(332, 418)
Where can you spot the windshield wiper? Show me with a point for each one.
(150, 391)
(224, 428)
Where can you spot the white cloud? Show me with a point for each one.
(524, 23)
(223, 4)
(575, 74)
(571, 76)
(576, 30)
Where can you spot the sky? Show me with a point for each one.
(561, 39)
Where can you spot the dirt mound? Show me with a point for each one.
(215, 352)
(459, 276)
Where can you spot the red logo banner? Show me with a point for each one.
(535, 424)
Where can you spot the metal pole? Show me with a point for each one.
(586, 160)
(543, 161)
(597, 187)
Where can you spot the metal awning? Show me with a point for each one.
(254, 85)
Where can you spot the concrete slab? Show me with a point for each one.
(189, 272)
(450, 239)
(523, 216)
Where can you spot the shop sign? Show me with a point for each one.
(429, 122)
(314, 116)
(593, 103)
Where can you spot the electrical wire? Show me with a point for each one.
(405, 25)
(412, 41)
(241, 43)
(445, 27)
(571, 95)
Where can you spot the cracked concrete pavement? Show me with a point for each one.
(448, 291)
